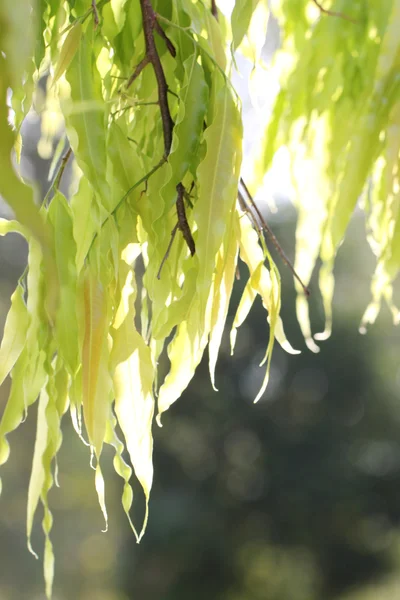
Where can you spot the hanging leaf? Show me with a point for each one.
(68, 50)
(241, 17)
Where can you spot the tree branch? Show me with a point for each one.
(150, 24)
(272, 236)
(182, 220)
(95, 14)
(151, 57)
(149, 21)
(173, 234)
(162, 34)
(57, 178)
(138, 69)
(333, 13)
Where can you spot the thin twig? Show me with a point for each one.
(333, 13)
(182, 225)
(83, 17)
(273, 237)
(149, 20)
(162, 34)
(130, 106)
(61, 170)
(95, 14)
(138, 69)
(57, 177)
(150, 24)
(173, 93)
(145, 178)
(171, 241)
(247, 210)
(182, 220)
(120, 110)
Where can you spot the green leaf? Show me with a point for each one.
(66, 326)
(121, 467)
(16, 194)
(29, 374)
(86, 220)
(240, 20)
(14, 335)
(190, 119)
(16, 37)
(38, 472)
(127, 168)
(96, 380)
(224, 278)
(133, 380)
(267, 284)
(218, 176)
(85, 118)
(68, 51)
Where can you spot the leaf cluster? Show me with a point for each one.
(141, 260)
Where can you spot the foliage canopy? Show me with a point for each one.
(142, 259)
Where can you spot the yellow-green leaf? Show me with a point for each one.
(14, 335)
(68, 50)
(96, 379)
(133, 380)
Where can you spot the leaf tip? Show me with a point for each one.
(31, 550)
(311, 345)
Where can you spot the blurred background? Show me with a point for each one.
(294, 498)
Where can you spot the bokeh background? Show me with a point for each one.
(295, 498)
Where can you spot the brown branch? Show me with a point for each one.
(162, 34)
(61, 170)
(271, 235)
(138, 69)
(150, 24)
(173, 234)
(333, 13)
(214, 9)
(57, 178)
(95, 14)
(149, 21)
(182, 220)
(182, 225)
(151, 56)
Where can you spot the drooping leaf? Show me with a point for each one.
(85, 117)
(224, 278)
(14, 334)
(95, 360)
(241, 17)
(133, 383)
(66, 325)
(218, 177)
(68, 50)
